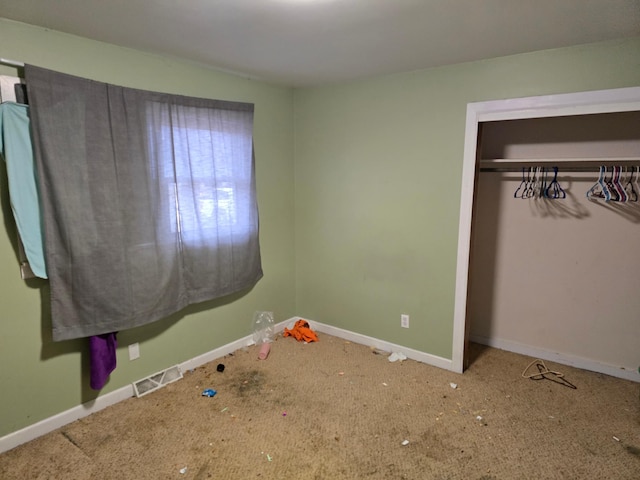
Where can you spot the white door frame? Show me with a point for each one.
(584, 103)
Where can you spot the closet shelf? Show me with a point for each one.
(564, 164)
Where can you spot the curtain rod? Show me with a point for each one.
(11, 63)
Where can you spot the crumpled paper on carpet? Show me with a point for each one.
(301, 332)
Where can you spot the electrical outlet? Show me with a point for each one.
(404, 321)
(134, 351)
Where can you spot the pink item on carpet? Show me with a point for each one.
(264, 351)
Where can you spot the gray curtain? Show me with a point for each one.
(148, 201)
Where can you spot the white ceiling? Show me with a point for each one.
(315, 42)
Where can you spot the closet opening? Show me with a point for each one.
(554, 274)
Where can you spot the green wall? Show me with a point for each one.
(40, 378)
(378, 178)
(358, 190)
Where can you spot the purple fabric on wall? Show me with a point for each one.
(102, 353)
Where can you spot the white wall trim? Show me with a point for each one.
(417, 355)
(50, 424)
(228, 348)
(582, 103)
(54, 422)
(47, 425)
(558, 357)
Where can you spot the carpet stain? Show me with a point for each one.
(433, 446)
(633, 450)
(249, 383)
(202, 473)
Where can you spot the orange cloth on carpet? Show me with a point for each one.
(301, 332)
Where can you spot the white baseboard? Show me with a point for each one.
(558, 357)
(382, 345)
(228, 348)
(47, 425)
(50, 424)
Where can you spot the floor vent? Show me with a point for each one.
(156, 381)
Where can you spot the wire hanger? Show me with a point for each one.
(619, 189)
(554, 190)
(613, 194)
(542, 193)
(629, 188)
(541, 187)
(599, 189)
(521, 186)
(546, 374)
(530, 190)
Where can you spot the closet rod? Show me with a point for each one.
(11, 63)
(565, 164)
(560, 169)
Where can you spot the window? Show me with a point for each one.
(204, 166)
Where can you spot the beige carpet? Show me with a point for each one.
(338, 410)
